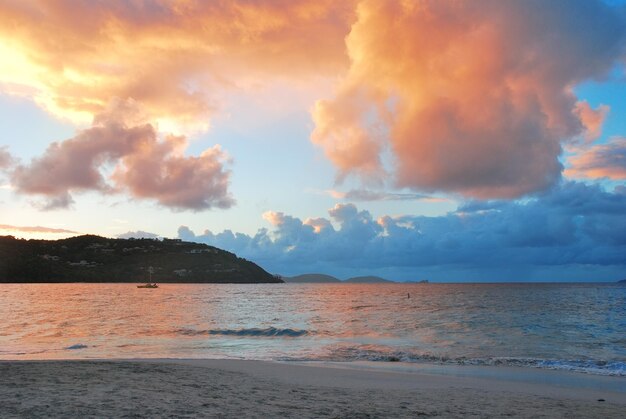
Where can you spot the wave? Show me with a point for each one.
(597, 367)
(76, 346)
(253, 332)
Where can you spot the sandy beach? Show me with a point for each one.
(232, 388)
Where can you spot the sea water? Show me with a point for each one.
(579, 327)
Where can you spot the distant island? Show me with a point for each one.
(311, 279)
(98, 259)
(317, 278)
(622, 281)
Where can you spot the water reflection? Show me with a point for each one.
(536, 323)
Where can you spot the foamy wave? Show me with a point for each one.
(77, 346)
(253, 332)
(598, 367)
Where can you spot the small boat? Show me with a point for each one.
(149, 284)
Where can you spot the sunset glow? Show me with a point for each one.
(312, 208)
(402, 138)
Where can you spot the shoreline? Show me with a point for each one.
(205, 387)
(402, 375)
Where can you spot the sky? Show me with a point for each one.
(442, 140)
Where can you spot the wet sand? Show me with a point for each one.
(231, 388)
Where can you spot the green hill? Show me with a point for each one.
(99, 259)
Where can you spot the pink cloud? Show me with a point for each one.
(176, 181)
(36, 229)
(469, 97)
(6, 160)
(144, 165)
(592, 119)
(600, 161)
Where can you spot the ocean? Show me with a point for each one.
(577, 327)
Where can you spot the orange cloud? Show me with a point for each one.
(469, 97)
(592, 119)
(36, 232)
(37, 229)
(320, 225)
(273, 217)
(173, 57)
(465, 96)
(600, 161)
(175, 61)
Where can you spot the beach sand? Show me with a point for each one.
(231, 388)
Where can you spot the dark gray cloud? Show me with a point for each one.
(572, 232)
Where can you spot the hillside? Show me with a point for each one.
(98, 259)
(312, 278)
(367, 280)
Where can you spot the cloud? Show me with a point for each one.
(37, 229)
(138, 235)
(62, 201)
(141, 164)
(364, 195)
(6, 160)
(600, 161)
(565, 233)
(592, 119)
(177, 61)
(174, 57)
(473, 97)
